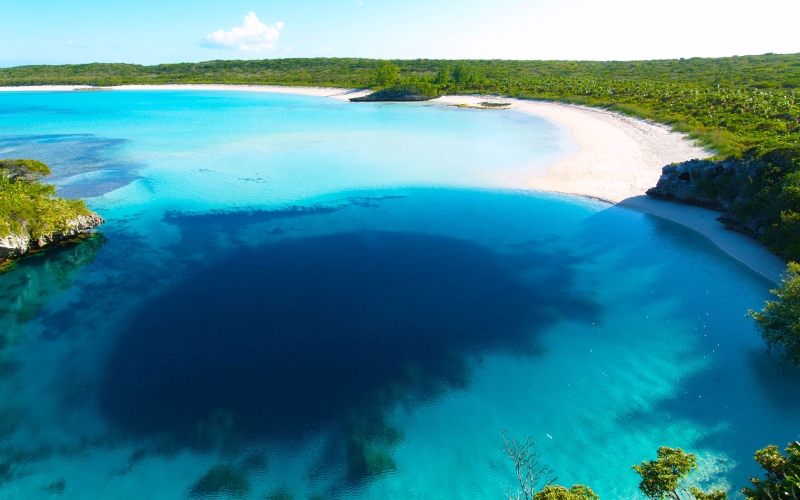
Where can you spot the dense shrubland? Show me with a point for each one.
(29, 206)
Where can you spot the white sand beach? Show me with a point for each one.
(618, 159)
(276, 89)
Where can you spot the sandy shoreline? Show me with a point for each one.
(618, 159)
(332, 92)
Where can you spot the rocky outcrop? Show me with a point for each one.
(723, 185)
(399, 93)
(16, 245)
(714, 184)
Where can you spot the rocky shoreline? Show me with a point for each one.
(15, 246)
(689, 182)
(400, 93)
(714, 184)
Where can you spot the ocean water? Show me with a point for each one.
(299, 297)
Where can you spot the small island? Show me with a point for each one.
(32, 217)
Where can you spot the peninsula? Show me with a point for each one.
(32, 217)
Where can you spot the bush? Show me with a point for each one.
(28, 206)
(782, 474)
(779, 321)
(386, 74)
(662, 478)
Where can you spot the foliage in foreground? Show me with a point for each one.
(532, 475)
(782, 474)
(28, 205)
(778, 321)
(556, 492)
(662, 478)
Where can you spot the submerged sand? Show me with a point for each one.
(618, 159)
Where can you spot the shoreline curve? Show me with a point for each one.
(618, 159)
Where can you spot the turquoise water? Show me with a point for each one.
(313, 297)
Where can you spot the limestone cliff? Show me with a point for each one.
(16, 245)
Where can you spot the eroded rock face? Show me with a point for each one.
(707, 183)
(16, 245)
(13, 246)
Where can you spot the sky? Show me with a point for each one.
(169, 31)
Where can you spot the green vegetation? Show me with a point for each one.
(386, 74)
(778, 321)
(783, 474)
(577, 492)
(662, 478)
(418, 91)
(28, 206)
(760, 194)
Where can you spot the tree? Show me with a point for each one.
(465, 74)
(531, 474)
(23, 170)
(779, 321)
(783, 474)
(28, 206)
(577, 492)
(386, 74)
(444, 76)
(661, 478)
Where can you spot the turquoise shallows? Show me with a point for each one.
(303, 295)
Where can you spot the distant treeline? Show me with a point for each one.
(741, 107)
(770, 71)
(731, 104)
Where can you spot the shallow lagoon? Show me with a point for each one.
(351, 301)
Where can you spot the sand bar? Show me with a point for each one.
(618, 159)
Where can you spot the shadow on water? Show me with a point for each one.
(198, 229)
(289, 338)
(70, 155)
(27, 284)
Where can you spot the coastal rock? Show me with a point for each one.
(16, 245)
(400, 93)
(714, 184)
(13, 246)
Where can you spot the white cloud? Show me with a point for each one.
(252, 35)
(75, 45)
